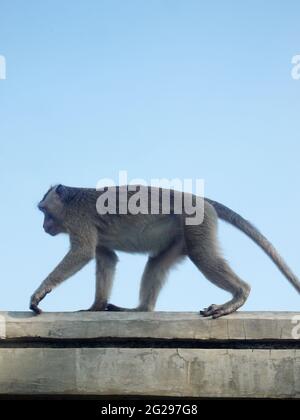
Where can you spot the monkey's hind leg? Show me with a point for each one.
(154, 277)
(203, 251)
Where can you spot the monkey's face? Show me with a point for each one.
(53, 209)
(51, 226)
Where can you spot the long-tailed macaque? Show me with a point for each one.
(166, 238)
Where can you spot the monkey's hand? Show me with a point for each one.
(36, 298)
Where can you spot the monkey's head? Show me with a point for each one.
(53, 205)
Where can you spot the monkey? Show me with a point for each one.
(166, 238)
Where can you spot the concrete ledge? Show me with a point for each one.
(150, 354)
(164, 325)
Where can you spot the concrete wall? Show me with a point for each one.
(150, 354)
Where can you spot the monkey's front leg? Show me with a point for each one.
(106, 261)
(75, 259)
(153, 278)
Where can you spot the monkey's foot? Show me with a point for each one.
(111, 307)
(219, 310)
(92, 310)
(95, 308)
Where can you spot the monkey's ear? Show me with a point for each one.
(63, 193)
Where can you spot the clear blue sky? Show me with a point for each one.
(164, 88)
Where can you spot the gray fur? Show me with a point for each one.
(252, 232)
(164, 237)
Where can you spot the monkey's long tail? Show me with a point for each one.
(240, 223)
